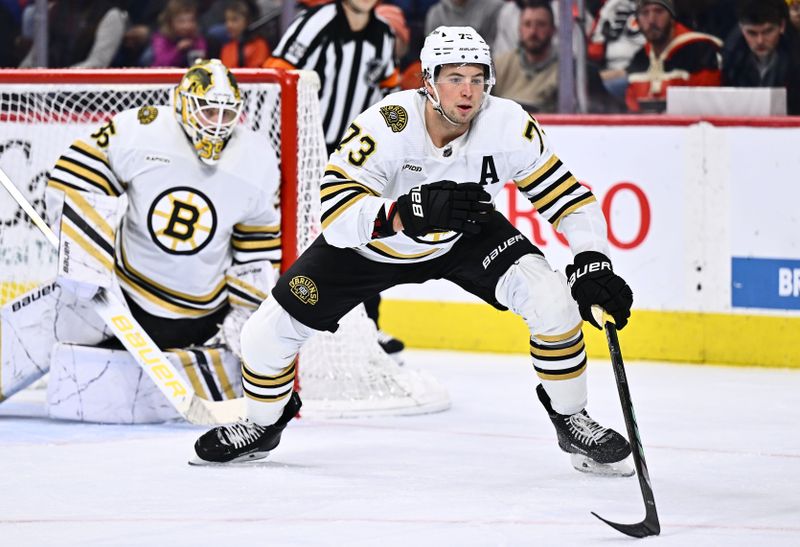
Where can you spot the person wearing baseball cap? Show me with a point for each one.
(673, 55)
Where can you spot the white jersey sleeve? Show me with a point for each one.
(352, 185)
(85, 166)
(555, 192)
(258, 236)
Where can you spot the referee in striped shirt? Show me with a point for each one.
(352, 51)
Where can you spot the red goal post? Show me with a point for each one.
(43, 110)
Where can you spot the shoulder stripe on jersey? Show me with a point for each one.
(87, 174)
(62, 185)
(384, 250)
(571, 206)
(90, 151)
(339, 208)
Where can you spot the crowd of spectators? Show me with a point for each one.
(636, 49)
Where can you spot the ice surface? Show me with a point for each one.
(722, 444)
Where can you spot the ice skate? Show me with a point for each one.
(243, 441)
(391, 345)
(593, 448)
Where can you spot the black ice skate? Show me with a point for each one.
(592, 447)
(244, 440)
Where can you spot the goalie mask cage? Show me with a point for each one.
(42, 111)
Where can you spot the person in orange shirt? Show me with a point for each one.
(242, 50)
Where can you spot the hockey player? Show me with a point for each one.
(196, 247)
(407, 198)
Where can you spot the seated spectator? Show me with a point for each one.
(478, 14)
(243, 50)
(81, 34)
(760, 54)
(672, 56)
(528, 74)
(178, 42)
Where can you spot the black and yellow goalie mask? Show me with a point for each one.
(208, 104)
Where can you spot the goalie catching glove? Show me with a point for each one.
(444, 205)
(593, 282)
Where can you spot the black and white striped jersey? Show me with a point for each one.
(356, 69)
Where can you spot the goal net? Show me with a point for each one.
(43, 111)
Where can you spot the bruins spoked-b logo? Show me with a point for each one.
(395, 116)
(182, 220)
(147, 114)
(304, 289)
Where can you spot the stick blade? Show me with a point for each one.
(640, 530)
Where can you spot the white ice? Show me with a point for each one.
(722, 444)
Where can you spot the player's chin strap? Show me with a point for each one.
(437, 104)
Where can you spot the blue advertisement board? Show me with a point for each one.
(771, 283)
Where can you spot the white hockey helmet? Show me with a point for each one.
(457, 46)
(208, 104)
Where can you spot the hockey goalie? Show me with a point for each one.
(173, 209)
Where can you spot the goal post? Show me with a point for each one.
(43, 110)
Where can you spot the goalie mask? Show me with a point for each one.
(454, 46)
(208, 104)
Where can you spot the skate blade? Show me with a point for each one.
(247, 459)
(584, 464)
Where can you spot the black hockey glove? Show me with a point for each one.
(444, 205)
(593, 282)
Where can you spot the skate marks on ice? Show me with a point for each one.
(486, 472)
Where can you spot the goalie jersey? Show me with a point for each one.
(387, 151)
(185, 222)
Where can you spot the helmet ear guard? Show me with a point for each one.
(208, 105)
(454, 46)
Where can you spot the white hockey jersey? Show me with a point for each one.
(387, 151)
(186, 222)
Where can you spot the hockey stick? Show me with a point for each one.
(650, 525)
(147, 354)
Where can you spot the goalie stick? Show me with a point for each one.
(650, 525)
(145, 352)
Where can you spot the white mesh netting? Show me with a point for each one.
(346, 374)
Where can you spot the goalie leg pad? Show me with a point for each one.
(100, 385)
(27, 332)
(540, 295)
(270, 340)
